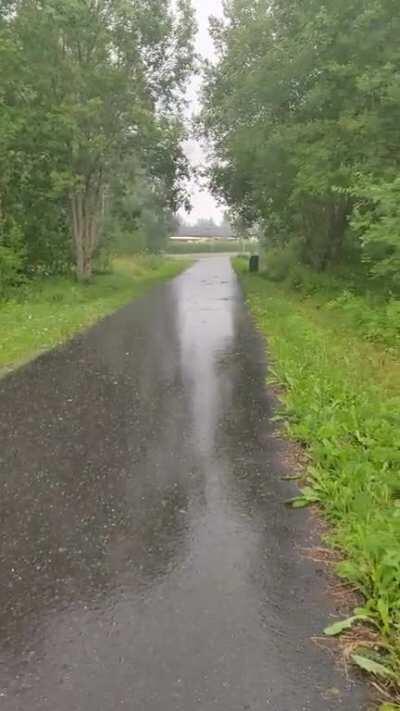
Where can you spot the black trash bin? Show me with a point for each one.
(254, 264)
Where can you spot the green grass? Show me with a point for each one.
(342, 402)
(205, 247)
(49, 311)
(369, 307)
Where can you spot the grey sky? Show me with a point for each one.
(203, 203)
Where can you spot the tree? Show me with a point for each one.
(205, 227)
(98, 80)
(141, 217)
(302, 100)
(30, 223)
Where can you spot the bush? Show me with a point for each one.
(279, 263)
(284, 265)
(12, 262)
(310, 283)
(374, 320)
(376, 219)
(102, 262)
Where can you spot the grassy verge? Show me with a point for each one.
(368, 307)
(50, 311)
(342, 401)
(205, 247)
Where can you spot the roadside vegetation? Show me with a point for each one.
(302, 111)
(48, 311)
(341, 400)
(206, 246)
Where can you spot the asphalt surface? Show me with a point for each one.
(147, 560)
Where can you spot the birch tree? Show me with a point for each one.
(102, 78)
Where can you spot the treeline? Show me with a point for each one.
(205, 228)
(91, 96)
(303, 112)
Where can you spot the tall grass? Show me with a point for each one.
(366, 306)
(342, 402)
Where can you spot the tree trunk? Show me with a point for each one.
(85, 215)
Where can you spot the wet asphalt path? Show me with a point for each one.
(147, 562)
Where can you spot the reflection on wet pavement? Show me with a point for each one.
(147, 561)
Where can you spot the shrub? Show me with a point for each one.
(12, 261)
(279, 263)
(376, 219)
(375, 320)
(102, 262)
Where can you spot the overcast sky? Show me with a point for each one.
(203, 203)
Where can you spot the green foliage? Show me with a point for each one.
(87, 89)
(12, 260)
(302, 109)
(346, 412)
(49, 311)
(11, 263)
(370, 309)
(374, 320)
(279, 262)
(376, 219)
(376, 668)
(338, 627)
